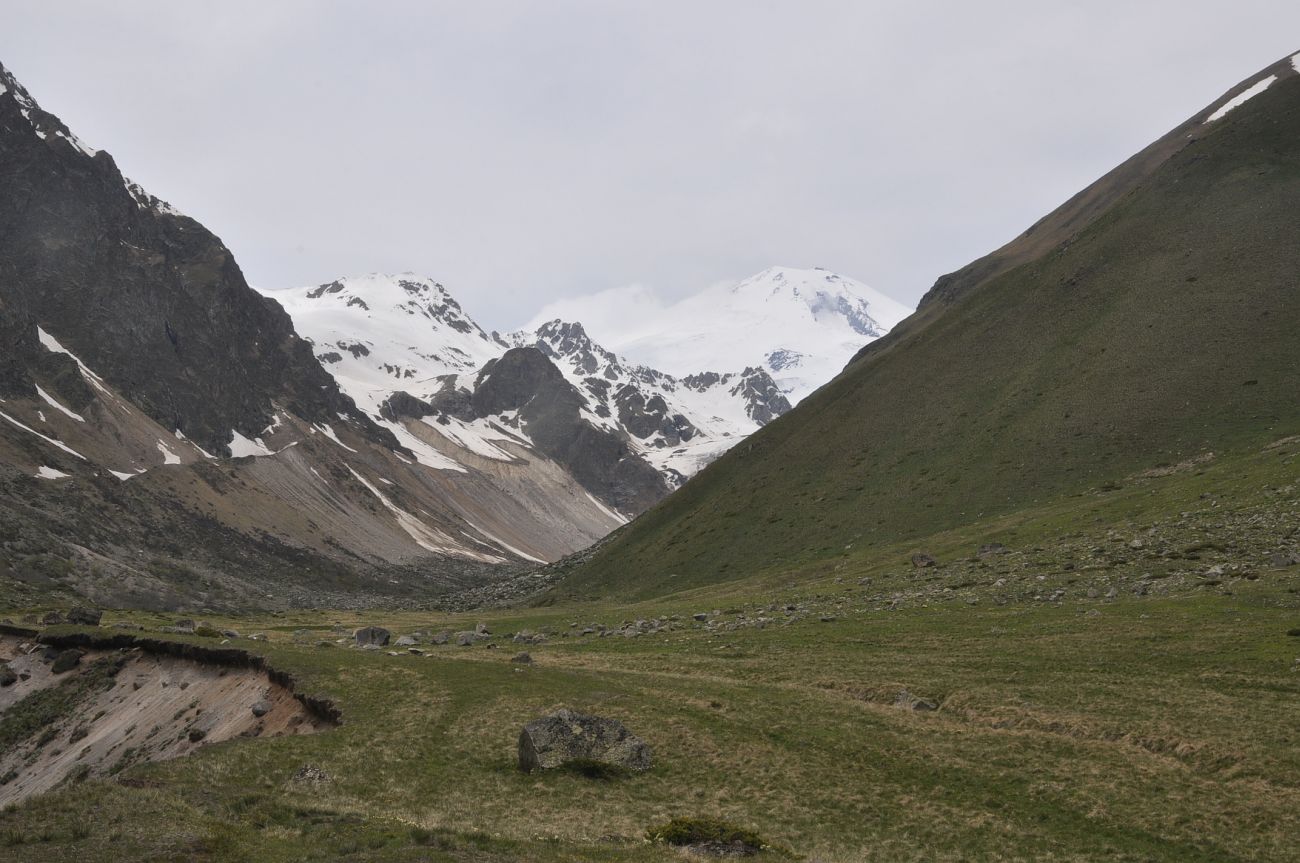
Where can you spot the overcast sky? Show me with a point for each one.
(524, 151)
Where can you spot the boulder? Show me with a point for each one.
(261, 707)
(184, 625)
(405, 641)
(7, 676)
(52, 619)
(481, 629)
(908, 701)
(66, 660)
(466, 638)
(566, 736)
(441, 637)
(85, 616)
(375, 635)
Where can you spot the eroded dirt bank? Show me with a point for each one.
(129, 700)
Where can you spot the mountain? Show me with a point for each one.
(801, 326)
(1147, 323)
(405, 350)
(167, 438)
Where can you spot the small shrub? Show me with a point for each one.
(205, 631)
(706, 832)
(1295, 633)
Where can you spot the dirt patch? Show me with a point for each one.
(150, 701)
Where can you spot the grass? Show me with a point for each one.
(1153, 725)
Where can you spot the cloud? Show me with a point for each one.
(521, 152)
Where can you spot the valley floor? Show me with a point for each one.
(1121, 682)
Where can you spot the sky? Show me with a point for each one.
(523, 152)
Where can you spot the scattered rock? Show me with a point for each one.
(920, 560)
(310, 774)
(991, 548)
(85, 616)
(368, 635)
(566, 736)
(52, 619)
(184, 625)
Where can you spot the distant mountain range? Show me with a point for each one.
(404, 348)
(169, 436)
(801, 326)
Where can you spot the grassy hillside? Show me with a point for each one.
(1161, 328)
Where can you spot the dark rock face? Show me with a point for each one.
(145, 296)
(524, 380)
(566, 736)
(375, 635)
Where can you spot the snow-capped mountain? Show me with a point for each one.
(677, 424)
(800, 325)
(405, 351)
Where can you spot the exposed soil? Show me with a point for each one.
(157, 706)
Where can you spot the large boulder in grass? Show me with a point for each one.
(85, 616)
(565, 737)
(371, 635)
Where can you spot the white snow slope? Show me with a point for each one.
(801, 325)
(380, 334)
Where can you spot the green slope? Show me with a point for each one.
(1153, 318)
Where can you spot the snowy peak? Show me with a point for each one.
(801, 326)
(817, 295)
